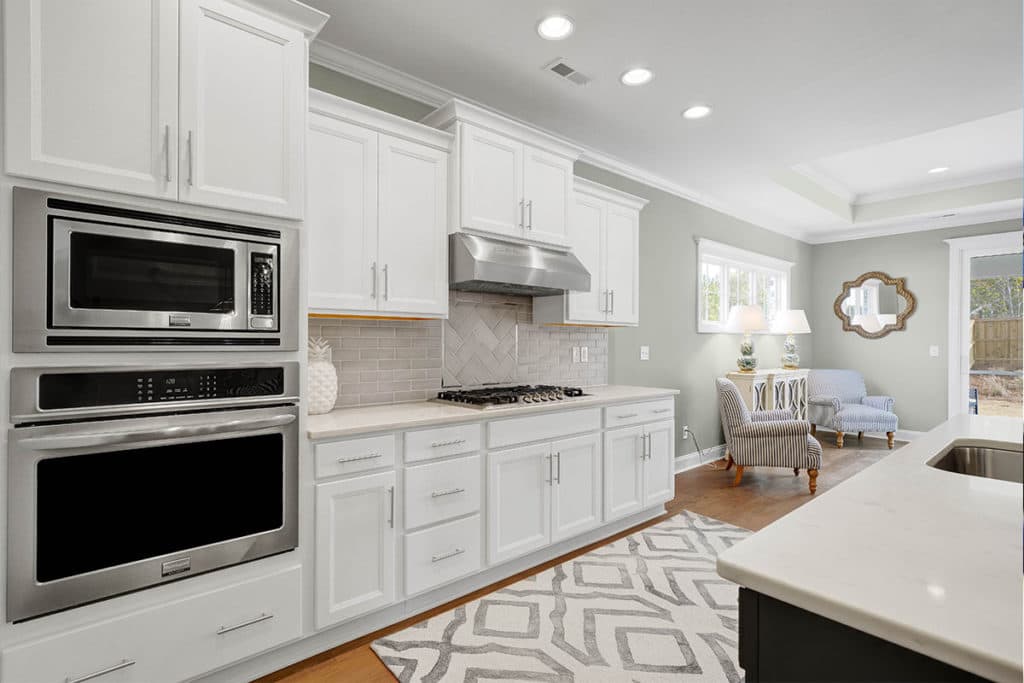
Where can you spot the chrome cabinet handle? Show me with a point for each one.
(442, 444)
(357, 458)
(248, 622)
(529, 206)
(42, 443)
(663, 410)
(391, 519)
(647, 451)
(558, 469)
(627, 415)
(123, 664)
(373, 273)
(188, 148)
(447, 492)
(167, 153)
(522, 214)
(385, 282)
(551, 475)
(445, 556)
(612, 293)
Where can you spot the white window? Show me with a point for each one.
(728, 276)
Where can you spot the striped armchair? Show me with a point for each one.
(770, 438)
(837, 399)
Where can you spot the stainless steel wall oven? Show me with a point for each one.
(96, 277)
(125, 477)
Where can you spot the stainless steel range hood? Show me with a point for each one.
(486, 264)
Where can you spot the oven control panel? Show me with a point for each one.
(96, 389)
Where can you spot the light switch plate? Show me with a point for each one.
(575, 354)
(645, 353)
(933, 351)
(584, 354)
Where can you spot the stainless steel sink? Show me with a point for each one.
(992, 463)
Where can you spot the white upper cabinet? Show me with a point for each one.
(377, 210)
(243, 109)
(508, 180)
(200, 101)
(92, 93)
(604, 233)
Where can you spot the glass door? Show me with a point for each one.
(994, 324)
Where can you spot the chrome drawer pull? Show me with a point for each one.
(445, 556)
(441, 444)
(255, 620)
(663, 410)
(123, 664)
(623, 417)
(370, 456)
(438, 494)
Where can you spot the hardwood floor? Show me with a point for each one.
(765, 495)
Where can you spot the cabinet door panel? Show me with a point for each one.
(92, 93)
(243, 109)
(576, 492)
(586, 235)
(659, 468)
(341, 215)
(355, 547)
(413, 239)
(623, 472)
(518, 501)
(492, 191)
(622, 229)
(547, 189)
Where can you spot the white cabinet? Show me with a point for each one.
(243, 111)
(542, 493)
(639, 468)
(200, 101)
(355, 547)
(377, 212)
(508, 180)
(774, 388)
(604, 232)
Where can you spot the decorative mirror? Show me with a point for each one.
(874, 305)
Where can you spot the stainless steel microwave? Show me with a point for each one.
(112, 277)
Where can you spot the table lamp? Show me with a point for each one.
(746, 319)
(790, 323)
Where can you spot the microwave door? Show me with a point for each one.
(106, 276)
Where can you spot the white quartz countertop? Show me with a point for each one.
(352, 421)
(927, 559)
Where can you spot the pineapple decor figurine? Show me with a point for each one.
(322, 377)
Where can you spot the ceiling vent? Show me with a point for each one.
(563, 70)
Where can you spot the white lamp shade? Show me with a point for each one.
(791, 322)
(745, 319)
(869, 322)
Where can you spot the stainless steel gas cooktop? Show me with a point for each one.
(506, 396)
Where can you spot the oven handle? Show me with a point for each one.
(47, 443)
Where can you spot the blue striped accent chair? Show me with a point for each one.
(768, 438)
(838, 399)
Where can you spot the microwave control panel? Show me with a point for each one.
(261, 284)
(94, 389)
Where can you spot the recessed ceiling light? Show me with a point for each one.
(939, 169)
(697, 111)
(637, 76)
(555, 27)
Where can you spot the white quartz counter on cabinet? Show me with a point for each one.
(927, 559)
(352, 421)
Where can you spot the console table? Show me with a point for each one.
(774, 388)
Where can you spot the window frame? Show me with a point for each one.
(727, 256)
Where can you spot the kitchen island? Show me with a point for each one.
(903, 566)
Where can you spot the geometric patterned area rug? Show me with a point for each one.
(648, 607)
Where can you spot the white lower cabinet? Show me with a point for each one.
(638, 464)
(576, 490)
(440, 554)
(355, 547)
(196, 635)
(659, 468)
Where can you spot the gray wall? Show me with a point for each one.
(897, 364)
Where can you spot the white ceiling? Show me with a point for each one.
(827, 114)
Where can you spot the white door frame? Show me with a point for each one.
(961, 251)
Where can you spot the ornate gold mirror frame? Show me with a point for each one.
(901, 317)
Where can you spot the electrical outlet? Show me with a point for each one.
(686, 431)
(645, 353)
(584, 354)
(575, 354)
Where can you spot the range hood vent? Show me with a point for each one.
(486, 264)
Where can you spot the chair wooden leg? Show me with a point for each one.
(892, 437)
(814, 429)
(860, 436)
(839, 439)
(739, 475)
(796, 471)
(729, 462)
(813, 483)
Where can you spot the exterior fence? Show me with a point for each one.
(997, 343)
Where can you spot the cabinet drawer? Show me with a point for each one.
(441, 490)
(438, 555)
(553, 425)
(636, 413)
(427, 444)
(171, 642)
(355, 455)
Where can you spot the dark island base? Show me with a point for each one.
(780, 643)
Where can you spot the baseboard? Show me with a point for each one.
(901, 434)
(689, 461)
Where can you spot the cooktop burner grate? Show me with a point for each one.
(525, 394)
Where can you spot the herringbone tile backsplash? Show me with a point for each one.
(488, 338)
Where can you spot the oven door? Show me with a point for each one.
(102, 508)
(121, 277)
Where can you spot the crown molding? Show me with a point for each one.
(996, 176)
(921, 223)
(383, 76)
(592, 189)
(331, 106)
(295, 14)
